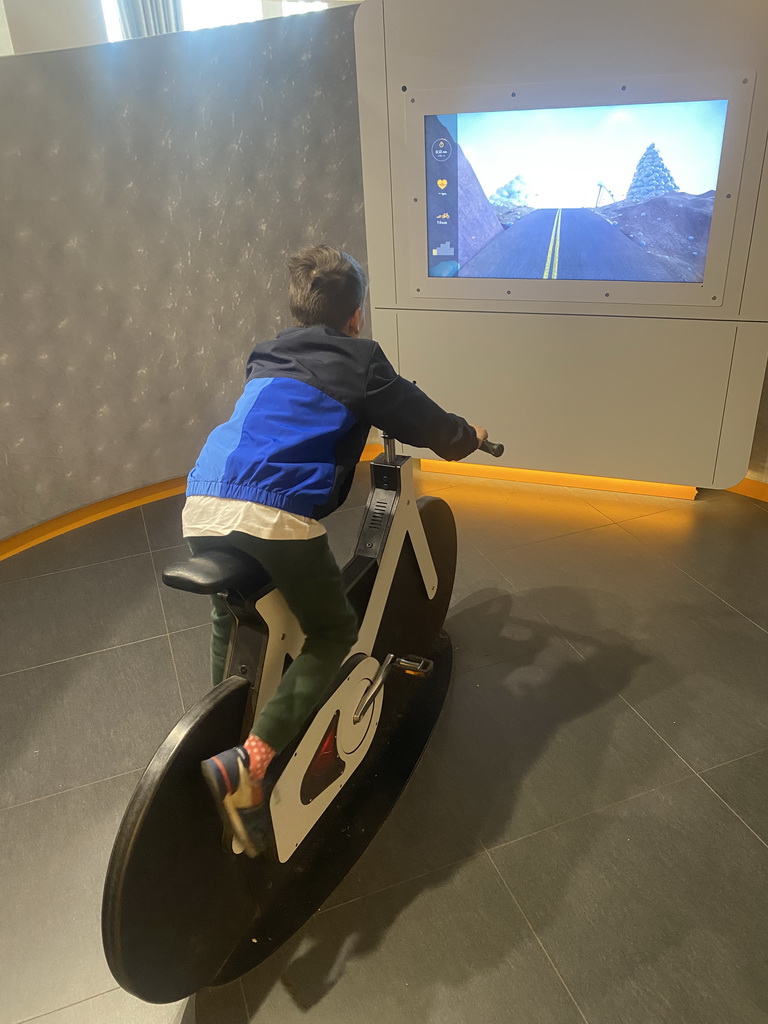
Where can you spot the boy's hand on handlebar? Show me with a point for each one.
(482, 434)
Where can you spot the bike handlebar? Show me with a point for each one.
(496, 450)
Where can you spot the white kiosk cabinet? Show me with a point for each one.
(567, 237)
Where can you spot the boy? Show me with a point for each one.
(283, 461)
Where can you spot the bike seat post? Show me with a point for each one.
(389, 448)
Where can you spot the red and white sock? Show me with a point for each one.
(260, 755)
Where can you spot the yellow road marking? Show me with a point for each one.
(554, 248)
(553, 257)
(551, 247)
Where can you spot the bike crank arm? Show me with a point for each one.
(412, 666)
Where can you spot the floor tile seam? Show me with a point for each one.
(168, 547)
(461, 672)
(557, 631)
(404, 881)
(628, 519)
(594, 810)
(657, 734)
(466, 671)
(640, 515)
(609, 524)
(758, 502)
(537, 937)
(188, 629)
(71, 789)
(700, 776)
(734, 812)
(165, 617)
(693, 579)
(67, 1006)
(86, 654)
(733, 760)
(74, 568)
(495, 568)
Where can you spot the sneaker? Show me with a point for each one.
(240, 801)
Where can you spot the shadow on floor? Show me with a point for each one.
(499, 738)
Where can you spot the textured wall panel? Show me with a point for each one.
(149, 192)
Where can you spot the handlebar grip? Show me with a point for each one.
(496, 450)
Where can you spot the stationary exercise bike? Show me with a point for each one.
(182, 908)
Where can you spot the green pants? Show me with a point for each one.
(306, 574)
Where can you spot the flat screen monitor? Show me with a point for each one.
(599, 193)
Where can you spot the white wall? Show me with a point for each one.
(37, 25)
(6, 44)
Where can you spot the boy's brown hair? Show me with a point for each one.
(326, 286)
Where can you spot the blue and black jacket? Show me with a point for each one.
(300, 426)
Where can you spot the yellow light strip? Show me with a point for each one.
(110, 507)
(90, 514)
(156, 492)
(536, 476)
(751, 488)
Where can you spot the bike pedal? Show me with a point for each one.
(414, 666)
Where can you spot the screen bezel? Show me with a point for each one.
(734, 86)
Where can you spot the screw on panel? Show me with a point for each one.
(243, 670)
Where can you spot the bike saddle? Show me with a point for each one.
(214, 572)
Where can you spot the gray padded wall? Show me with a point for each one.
(149, 192)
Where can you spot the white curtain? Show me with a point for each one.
(150, 17)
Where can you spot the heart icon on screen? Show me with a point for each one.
(442, 183)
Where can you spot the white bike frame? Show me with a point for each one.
(357, 701)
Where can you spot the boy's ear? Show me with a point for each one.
(356, 322)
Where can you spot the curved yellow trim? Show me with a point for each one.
(109, 507)
(537, 476)
(156, 492)
(751, 488)
(90, 514)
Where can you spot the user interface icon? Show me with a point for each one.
(442, 149)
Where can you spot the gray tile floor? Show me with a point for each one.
(584, 840)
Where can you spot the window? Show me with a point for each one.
(213, 13)
(302, 6)
(112, 20)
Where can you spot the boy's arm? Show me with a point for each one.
(401, 409)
